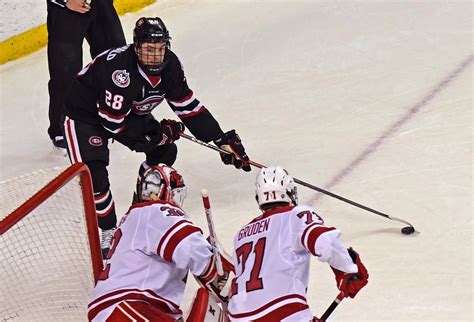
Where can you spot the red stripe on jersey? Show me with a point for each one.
(190, 94)
(120, 129)
(313, 231)
(134, 290)
(125, 313)
(142, 312)
(111, 207)
(118, 315)
(188, 115)
(112, 116)
(272, 212)
(99, 197)
(160, 302)
(210, 272)
(268, 305)
(160, 244)
(282, 312)
(178, 237)
(72, 150)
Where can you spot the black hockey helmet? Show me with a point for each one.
(150, 30)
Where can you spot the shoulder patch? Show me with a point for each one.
(121, 78)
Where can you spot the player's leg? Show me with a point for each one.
(106, 30)
(138, 311)
(89, 144)
(66, 31)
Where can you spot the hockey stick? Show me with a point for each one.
(332, 307)
(212, 232)
(405, 230)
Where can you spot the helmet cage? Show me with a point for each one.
(162, 182)
(150, 30)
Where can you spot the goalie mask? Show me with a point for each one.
(151, 40)
(275, 185)
(162, 182)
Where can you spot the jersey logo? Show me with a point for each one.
(95, 141)
(121, 78)
(147, 105)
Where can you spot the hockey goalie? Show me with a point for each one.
(154, 248)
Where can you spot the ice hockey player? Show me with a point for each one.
(272, 255)
(113, 97)
(153, 249)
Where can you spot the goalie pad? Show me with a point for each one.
(206, 308)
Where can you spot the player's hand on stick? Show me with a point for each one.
(81, 6)
(231, 142)
(170, 131)
(351, 283)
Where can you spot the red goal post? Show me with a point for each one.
(49, 246)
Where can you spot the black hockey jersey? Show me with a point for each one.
(113, 85)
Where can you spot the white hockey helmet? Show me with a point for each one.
(162, 182)
(274, 185)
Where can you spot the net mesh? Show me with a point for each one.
(46, 267)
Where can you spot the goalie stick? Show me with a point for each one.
(405, 230)
(212, 232)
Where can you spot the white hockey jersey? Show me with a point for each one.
(153, 248)
(272, 257)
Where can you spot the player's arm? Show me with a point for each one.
(184, 244)
(311, 235)
(187, 106)
(199, 120)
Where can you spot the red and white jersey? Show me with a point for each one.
(272, 259)
(153, 248)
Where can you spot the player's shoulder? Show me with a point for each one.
(303, 207)
(159, 208)
(307, 213)
(119, 55)
(173, 58)
(173, 67)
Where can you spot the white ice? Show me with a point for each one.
(371, 100)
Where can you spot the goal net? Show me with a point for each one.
(49, 245)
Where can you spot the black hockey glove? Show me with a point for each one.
(169, 131)
(230, 141)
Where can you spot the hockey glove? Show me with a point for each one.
(169, 131)
(230, 141)
(351, 283)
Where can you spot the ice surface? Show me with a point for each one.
(369, 99)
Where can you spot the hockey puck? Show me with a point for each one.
(408, 230)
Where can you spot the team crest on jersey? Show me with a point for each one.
(95, 141)
(148, 104)
(121, 78)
